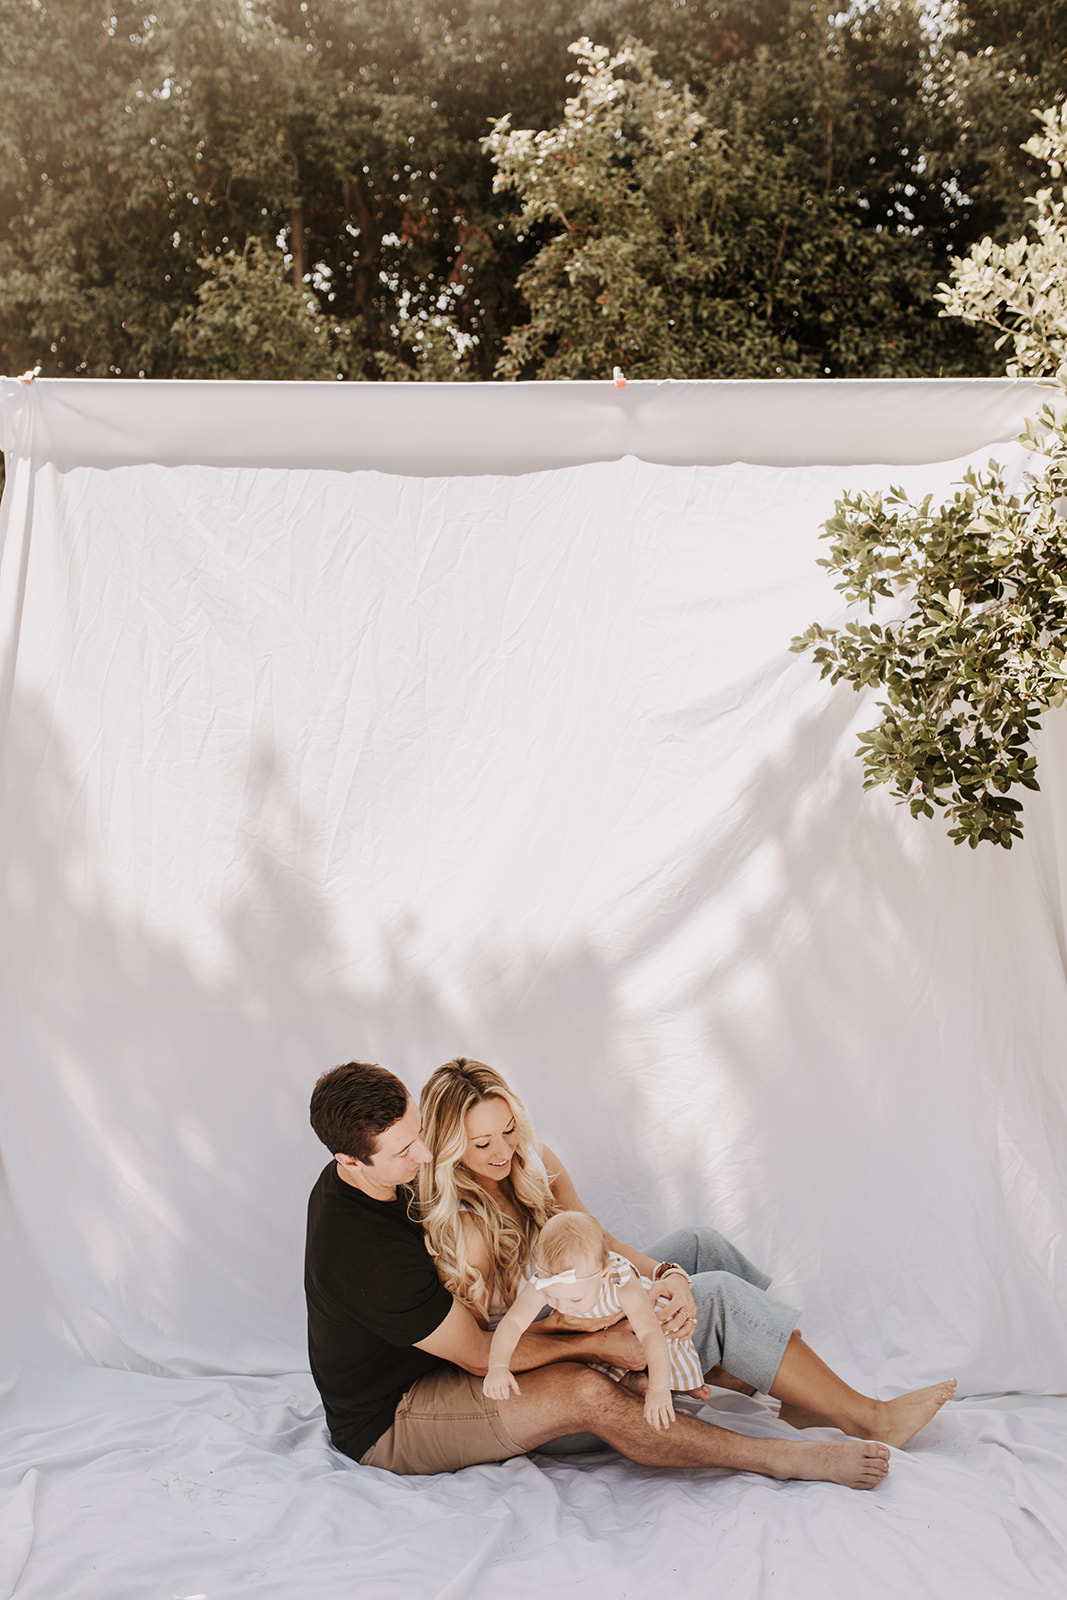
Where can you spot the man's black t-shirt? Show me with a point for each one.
(372, 1292)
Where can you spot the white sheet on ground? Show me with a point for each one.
(226, 1488)
(305, 763)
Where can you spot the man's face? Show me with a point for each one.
(398, 1156)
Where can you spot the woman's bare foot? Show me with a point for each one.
(859, 1465)
(899, 1420)
(804, 1380)
(726, 1380)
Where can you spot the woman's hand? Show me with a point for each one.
(500, 1383)
(675, 1306)
(659, 1408)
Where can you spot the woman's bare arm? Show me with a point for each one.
(566, 1195)
(674, 1287)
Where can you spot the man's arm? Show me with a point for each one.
(462, 1341)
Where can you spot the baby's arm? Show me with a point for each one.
(637, 1304)
(500, 1381)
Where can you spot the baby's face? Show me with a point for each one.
(578, 1298)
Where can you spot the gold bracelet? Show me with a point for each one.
(671, 1266)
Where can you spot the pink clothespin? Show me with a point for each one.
(620, 381)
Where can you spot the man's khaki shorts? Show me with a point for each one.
(443, 1422)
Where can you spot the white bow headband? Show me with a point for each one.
(569, 1275)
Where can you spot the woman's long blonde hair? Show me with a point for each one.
(445, 1185)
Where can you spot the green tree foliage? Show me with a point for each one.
(139, 142)
(252, 321)
(682, 249)
(131, 151)
(981, 651)
(1020, 289)
(143, 147)
(997, 60)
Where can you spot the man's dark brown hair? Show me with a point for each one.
(354, 1103)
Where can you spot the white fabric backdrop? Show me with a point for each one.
(429, 430)
(305, 763)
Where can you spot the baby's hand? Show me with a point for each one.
(500, 1382)
(659, 1408)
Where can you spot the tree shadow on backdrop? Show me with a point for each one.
(153, 1119)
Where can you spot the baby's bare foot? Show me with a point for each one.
(859, 1464)
(703, 1393)
(900, 1420)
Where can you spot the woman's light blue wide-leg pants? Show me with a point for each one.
(739, 1326)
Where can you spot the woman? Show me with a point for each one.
(490, 1189)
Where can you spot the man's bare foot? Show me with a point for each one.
(899, 1420)
(859, 1465)
(726, 1380)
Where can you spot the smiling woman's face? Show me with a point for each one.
(491, 1140)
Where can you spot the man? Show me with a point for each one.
(399, 1363)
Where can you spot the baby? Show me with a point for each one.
(579, 1276)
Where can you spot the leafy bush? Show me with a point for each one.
(1020, 288)
(679, 247)
(982, 650)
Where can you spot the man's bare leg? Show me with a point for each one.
(570, 1398)
(811, 1391)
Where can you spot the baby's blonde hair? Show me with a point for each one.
(570, 1237)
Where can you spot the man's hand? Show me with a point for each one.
(675, 1306)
